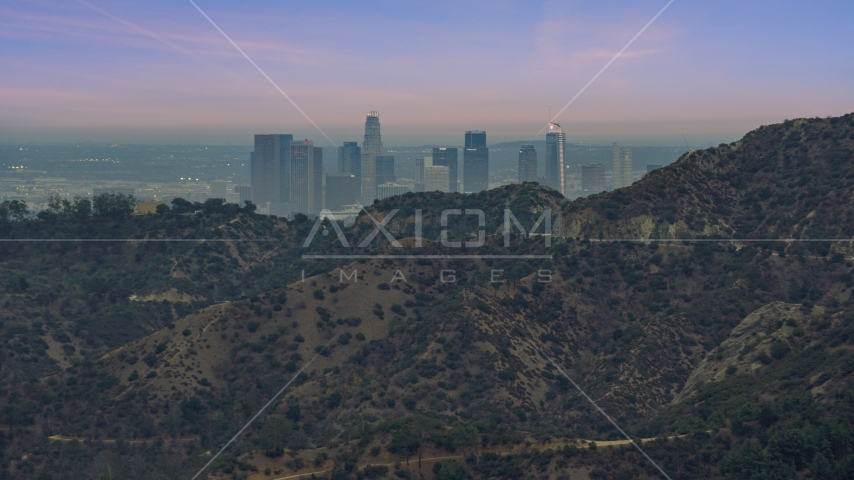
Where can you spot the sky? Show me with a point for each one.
(159, 72)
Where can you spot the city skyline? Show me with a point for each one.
(158, 73)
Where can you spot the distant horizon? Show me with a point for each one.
(390, 140)
(413, 141)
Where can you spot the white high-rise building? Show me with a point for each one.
(621, 172)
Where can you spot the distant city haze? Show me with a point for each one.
(158, 72)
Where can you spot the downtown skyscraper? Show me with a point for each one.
(317, 199)
(340, 189)
(350, 159)
(475, 162)
(270, 169)
(621, 171)
(555, 158)
(592, 178)
(385, 170)
(372, 147)
(475, 139)
(306, 177)
(527, 164)
(448, 157)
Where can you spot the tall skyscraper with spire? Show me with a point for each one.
(555, 158)
(372, 147)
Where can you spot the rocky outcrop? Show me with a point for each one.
(749, 340)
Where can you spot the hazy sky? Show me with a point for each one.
(157, 71)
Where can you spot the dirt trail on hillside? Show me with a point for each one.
(578, 443)
(135, 441)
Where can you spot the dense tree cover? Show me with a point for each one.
(213, 417)
(461, 369)
(113, 206)
(88, 297)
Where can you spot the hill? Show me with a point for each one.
(72, 297)
(738, 351)
(780, 181)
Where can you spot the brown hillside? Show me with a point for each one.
(790, 180)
